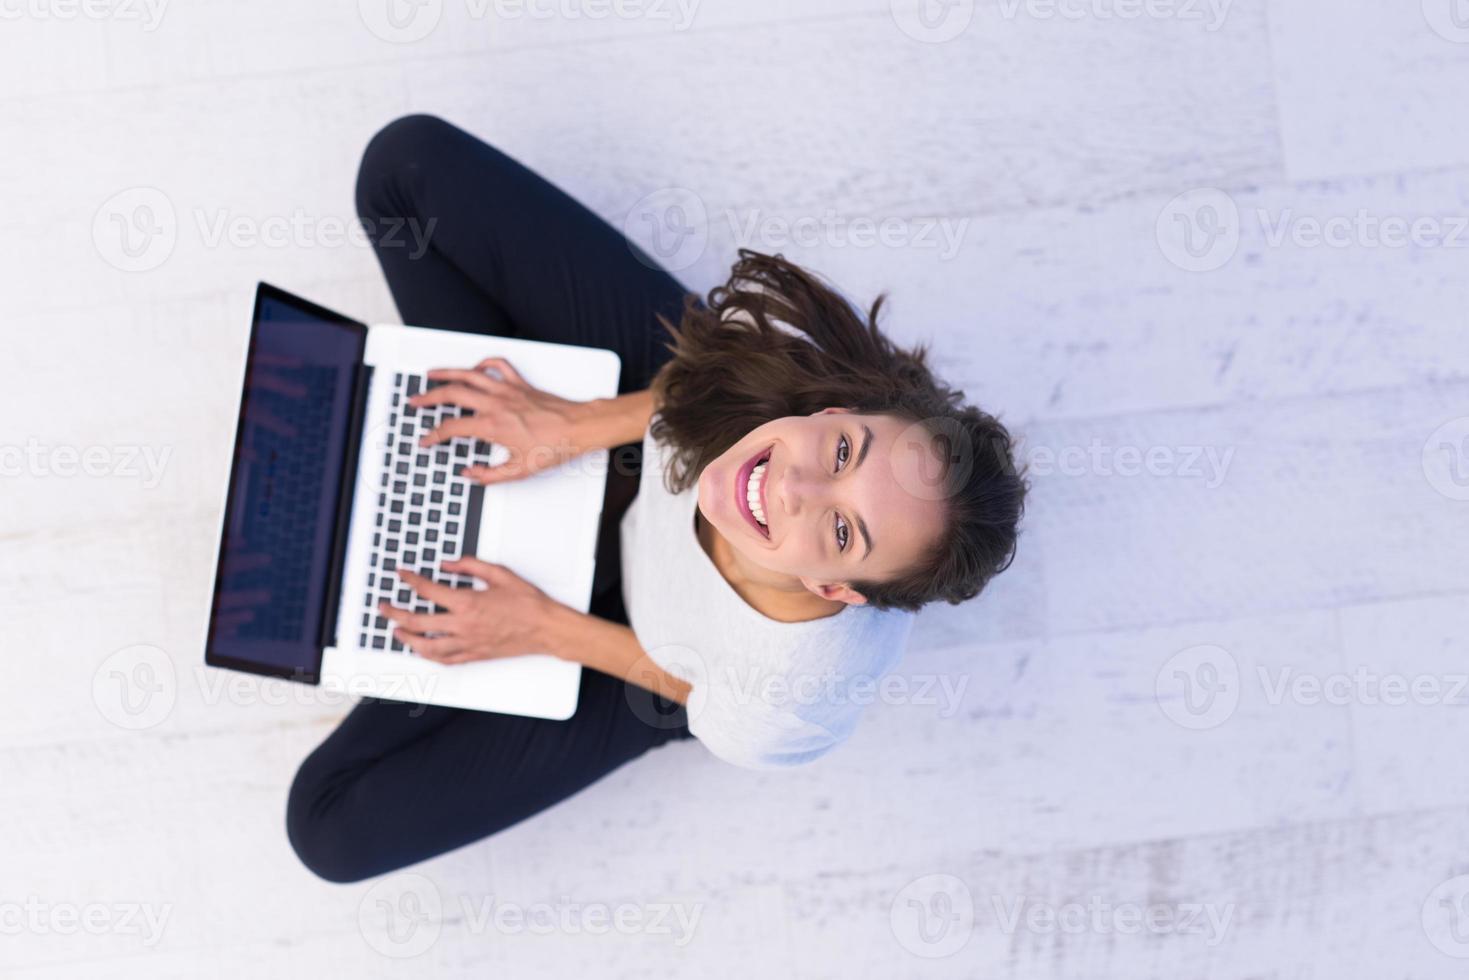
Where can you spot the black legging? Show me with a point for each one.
(508, 254)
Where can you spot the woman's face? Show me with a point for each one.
(825, 498)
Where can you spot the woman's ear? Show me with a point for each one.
(836, 591)
(835, 411)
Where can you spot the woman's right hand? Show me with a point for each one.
(540, 430)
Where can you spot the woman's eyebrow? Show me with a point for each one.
(861, 455)
(866, 444)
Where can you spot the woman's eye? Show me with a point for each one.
(844, 450)
(842, 533)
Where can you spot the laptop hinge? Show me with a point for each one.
(341, 525)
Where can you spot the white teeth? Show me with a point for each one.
(752, 493)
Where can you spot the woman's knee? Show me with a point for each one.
(315, 835)
(399, 146)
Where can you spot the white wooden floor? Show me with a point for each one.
(1210, 258)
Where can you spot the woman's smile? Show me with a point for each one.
(749, 492)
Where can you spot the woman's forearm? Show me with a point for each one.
(610, 648)
(611, 422)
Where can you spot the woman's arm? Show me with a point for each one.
(610, 422)
(537, 430)
(511, 617)
(608, 647)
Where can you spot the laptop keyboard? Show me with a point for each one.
(424, 514)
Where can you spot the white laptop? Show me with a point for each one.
(330, 495)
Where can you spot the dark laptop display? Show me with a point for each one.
(280, 552)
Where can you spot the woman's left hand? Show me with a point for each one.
(505, 619)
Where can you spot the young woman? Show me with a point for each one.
(787, 488)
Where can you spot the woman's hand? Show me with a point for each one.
(540, 430)
(506, 619)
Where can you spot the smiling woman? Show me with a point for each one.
(805, 486)
(878, 485)
(831, 485)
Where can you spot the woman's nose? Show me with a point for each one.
(799, 488)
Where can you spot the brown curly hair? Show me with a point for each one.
(777, 341)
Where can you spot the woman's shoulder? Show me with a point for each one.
(800, 695)
(872, 633)
(859, 641)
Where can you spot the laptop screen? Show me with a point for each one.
(276, 551)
